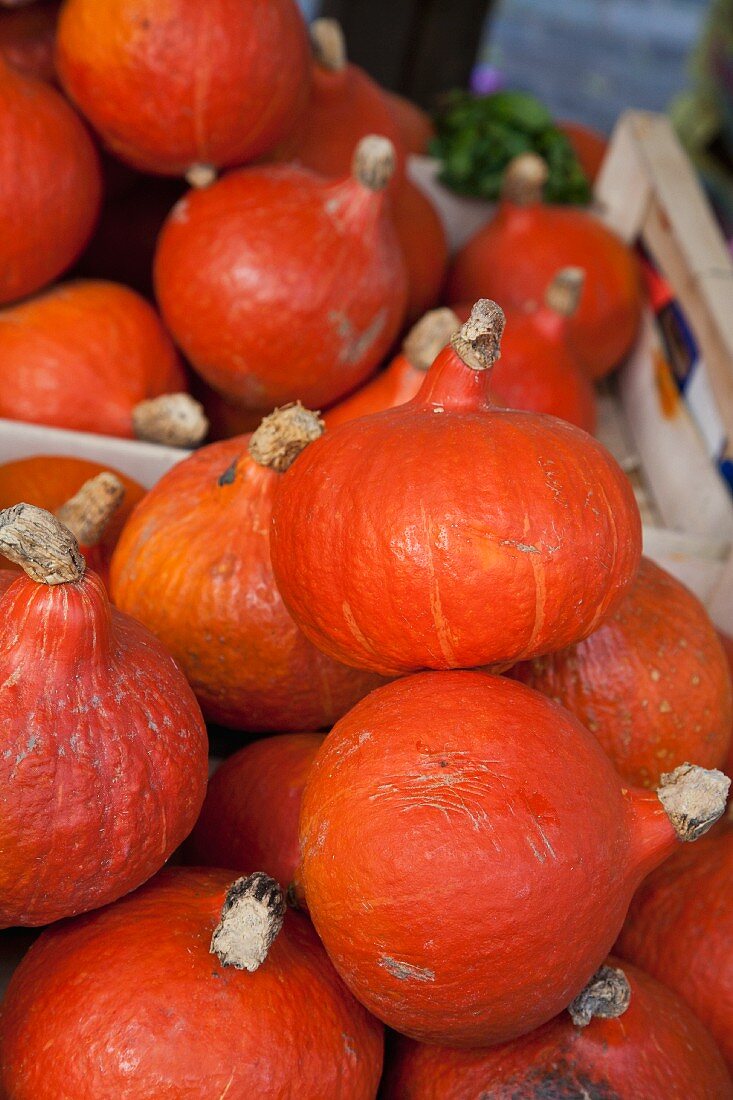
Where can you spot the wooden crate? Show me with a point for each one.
(648, 192)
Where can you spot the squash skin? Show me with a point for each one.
(82, 355)
(173, 84)
(461, 556)
(657, 1049)
(243, 269)
(200, 578)
(249, 819)
(105, 730)
(469, 854)
(651, 683)
(49, 209)
(680, 929)
(138, 1009)
(48, 481)
(424, 245)
(515, 255)
(344, 106)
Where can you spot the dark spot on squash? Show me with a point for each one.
(227, 478)
(559, 1083)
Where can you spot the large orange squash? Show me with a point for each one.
(50, 184)
(469, 853)
(199, 576)
(90, 356)
(102, 744)
(652, 682)
(179, 84)
(345, 105)
(646, 1043)
(514, 256)
(280, 285)
(250, 814)
(137, 1007)
(449, 533)
(680, 929)
(52, 481)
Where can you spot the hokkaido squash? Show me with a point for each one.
(469, 853)
(103, 749)
(280, 285)
(27, 39)
(538, 368)
(91, 356)
(680, 929)
(91, 501)
(449, 533)
(137, 1007)
(345, 105)
(250, 813)
(652, 682)
(50, 184)
(641, 1040)
(183, 84)
(200, 578)
(514, 256)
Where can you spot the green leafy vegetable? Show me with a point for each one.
(477, 136)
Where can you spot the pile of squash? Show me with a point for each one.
(474, 793)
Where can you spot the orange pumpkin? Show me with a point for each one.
(652, 682)
(89, 356)
(345, 106)
(50, 184)
(175, 85)
(515, 255)
(200, 578)
(27, 39)
(424, 245)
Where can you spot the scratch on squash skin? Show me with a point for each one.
(406, 971)
(436, 608)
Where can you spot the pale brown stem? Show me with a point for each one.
(478, 341)
(427, 338)
(563, 294)
(374, 162)
(201, 175)
(174, 419)
(328, 44)
(694, 799)
(607, 995)
(88, 512)
(251, 918)
(524, 179)
(283, 435)
(40, 545)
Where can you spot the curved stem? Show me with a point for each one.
(328, 44)
(201, 175)
(478, 341)
(283, 435)
(524, 180)
(88, 512)
(427, 338)
(174, 420)
(36, 541)
(251, 918)
(694, 799)
(607, 995)
(374, 162)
